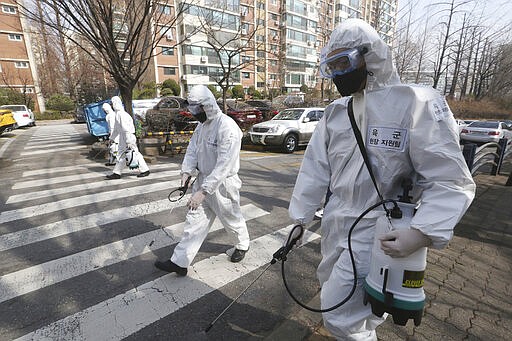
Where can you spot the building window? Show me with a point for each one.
(168, 51)
(9, 9)
(167, 32)
(246, 75)
(21, 65)
(15, 37)
(169, 71)
(165, 9)
(243, 10)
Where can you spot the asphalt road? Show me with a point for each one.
(77, 251)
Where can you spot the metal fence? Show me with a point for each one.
(487, 158)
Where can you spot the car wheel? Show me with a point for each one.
(290, 143)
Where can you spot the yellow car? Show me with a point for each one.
(7, 121)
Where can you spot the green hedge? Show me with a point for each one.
(54, 115)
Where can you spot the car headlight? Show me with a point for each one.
(274, 129)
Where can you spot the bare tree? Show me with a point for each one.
(228, 41)
(440, 66)
(121, 35)
(21, 77)
(458, 58)
(501, 84)
(405, 48)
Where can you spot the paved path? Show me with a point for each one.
(468, 284)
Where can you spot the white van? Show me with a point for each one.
(141, 106)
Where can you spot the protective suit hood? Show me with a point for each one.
(117, 104)
(200, 94)
(107, 108)
(356, 33)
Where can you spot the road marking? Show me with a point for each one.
(31, 211)
(81, 223)
(129, 312)
(82, 187)
(46, 151)
(39, 276)
(53, 145)
(16, 133)
(74, 177)
(46, 139)
(47, 171)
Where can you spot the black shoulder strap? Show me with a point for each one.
(360, 143)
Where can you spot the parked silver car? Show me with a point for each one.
(289, 129)
(486, 131)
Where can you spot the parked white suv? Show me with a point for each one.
(24, 116)
(289, 129)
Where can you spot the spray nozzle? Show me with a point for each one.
(293, 238)
(396, 212)
(407, 186)
(184, 188)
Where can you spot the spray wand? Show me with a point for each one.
(294, 236)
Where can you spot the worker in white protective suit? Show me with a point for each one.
(125, 128)
(213, 154)
(113, 140)
(408, 132)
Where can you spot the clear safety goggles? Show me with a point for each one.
(341, 63)
(194, 107)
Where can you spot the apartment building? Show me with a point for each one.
(17, 67)
(272, 46)
(281, 39)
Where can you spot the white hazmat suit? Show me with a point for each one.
(113, 139)
(125, 128)
(409, 132)
(214, 154)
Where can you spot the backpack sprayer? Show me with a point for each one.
(395, 285)
(131, 161)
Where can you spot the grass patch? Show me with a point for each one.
(479, 110)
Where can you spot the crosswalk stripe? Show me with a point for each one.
(56, 139)
(39, 276)
(82, 187)
(31, 211)
(46, 151)
(74, 177)
(81, 223)
(47, 171)
(129, 312)
(53, 144)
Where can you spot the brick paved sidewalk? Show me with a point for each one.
(468, 284)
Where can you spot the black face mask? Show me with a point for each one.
(201, 117)
(351, 82)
